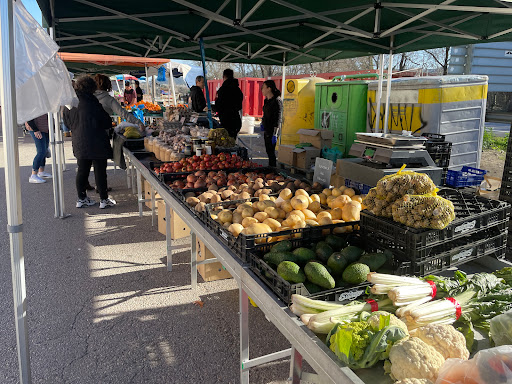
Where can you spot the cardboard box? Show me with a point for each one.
(337, 180)
(212, 271)
(147, 194)
(178, 227)
(305, 157)
(285, 154)
(318, 138)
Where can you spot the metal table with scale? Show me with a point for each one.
(377, 155)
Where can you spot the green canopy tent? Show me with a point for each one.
(251, 31)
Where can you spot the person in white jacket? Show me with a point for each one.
(109, 103)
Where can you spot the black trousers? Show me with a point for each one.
(100, 175)
(270, 148)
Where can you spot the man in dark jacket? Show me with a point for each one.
(138, 91)
(229, 104)
(91, 145)
(197, 100)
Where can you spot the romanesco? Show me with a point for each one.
(361, 333)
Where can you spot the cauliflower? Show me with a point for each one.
(374, 320)
(414, 359)
(414, 381)
(445, 339)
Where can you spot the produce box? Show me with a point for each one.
(473, 214)
(211, 271)
(285, 154)
(147, 194)
(319, 138)
(178, 227)
(305, 157)
(284, 289)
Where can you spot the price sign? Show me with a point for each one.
(323, 171)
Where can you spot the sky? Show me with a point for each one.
(33, 9)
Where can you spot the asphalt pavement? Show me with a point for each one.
(102, 307)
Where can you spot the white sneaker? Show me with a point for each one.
(36, 179)
(87, 202)
(108, 202)
(45, 175)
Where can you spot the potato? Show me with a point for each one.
(263, 197)
(302, 192)
(286, 194)
(226, 225)
(312, 223)
(299, 202)
(226, 194)
(336, 214)
(237, 218)
(282, 214)
(351, 211)
(300, 224)
(315, 197)
(327, 192)
(247, 212)
(272, 198)
(192, 201)
(269, 203)
(272, 212)
(349, 192)
(235, 229)
(286, 206)
(357, 198)
(315, 207)
(261, 216)
(258, 185)
(323, 214)
(205, 197)
(213, 188)
(234, 197)
(257, 229)
(244, 196)
(248, 221)
(273, 224)
(323, 199)
(242, 206)
(336, 192)
(259, 205)
(342, 189)
(324, 220)
(340, 201)
(216, 198)
(214, 217)
(200, 207)
(298, 213)
(225, 216)
(309, 214)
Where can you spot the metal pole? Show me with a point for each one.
(147, 79)
(284, 74)
(379, 93)
(388, 85)
(55, 179)
(169, 86)
(209, 105)
(153, 88)
(173, 91)
(13, 186)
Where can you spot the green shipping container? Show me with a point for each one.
(340, 106)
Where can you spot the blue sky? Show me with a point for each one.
(33, 8)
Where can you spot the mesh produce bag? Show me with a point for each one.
(221, 137)
(394, 186)
(377, 204)
(423, 211)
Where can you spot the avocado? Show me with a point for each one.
(323, 251)
(317, 274)
(352, 253)
(356, 273)
(337, 262)
(336, 242)
(291, 272)
(276, 258)
(282, 246)
(373, 260)
(312, 288)
(303, 255)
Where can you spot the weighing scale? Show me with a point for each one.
(377, 155)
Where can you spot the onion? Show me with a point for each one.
(200, 184)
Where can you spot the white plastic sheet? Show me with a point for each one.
(42, 79)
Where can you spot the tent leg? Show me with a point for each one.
(13, 186)
(379, 93)
(153, 89)
(59, 150)
(55, 179)
(173, 91)
(208, 103)
(388, 86)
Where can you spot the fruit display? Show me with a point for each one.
(147, 107)
(206, 162)
(221, 138)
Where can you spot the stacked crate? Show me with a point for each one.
(479, 229)
(506, 187)
(440, 151)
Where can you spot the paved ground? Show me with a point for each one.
(102, 307)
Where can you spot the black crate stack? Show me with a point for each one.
(506, 187)
(439, 150)
(479, 229)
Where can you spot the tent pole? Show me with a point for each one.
(388, 85)
(208, 103)
(147, 79)
(13, 186)
(169, 87)
(55, 179)
(172, 85)
(153, 88)
(283, 79)
(379, 93)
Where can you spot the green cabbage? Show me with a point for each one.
(362, 344)
(501, 329)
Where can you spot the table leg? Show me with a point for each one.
(133, 175)
(244, 335)
(128, 170)
(139, 193)
(193, 261)
(295, 367)
(168, 236)
(153, 207)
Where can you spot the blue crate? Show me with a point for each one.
(466, 177)
(362, 188)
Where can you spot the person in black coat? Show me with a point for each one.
(89, 124)
(229, 104)
(272, 118)
(197, 100)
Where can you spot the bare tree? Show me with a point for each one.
(441, 56)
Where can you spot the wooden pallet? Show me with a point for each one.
(306, 173)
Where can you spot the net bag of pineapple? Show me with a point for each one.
(392, 187)
(423, 211)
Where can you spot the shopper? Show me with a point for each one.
(130, 96)
(229, 104)
(138, 91)
(197, 100)
(272, 118)
(38, 129)
(89, 124)
(109, 103)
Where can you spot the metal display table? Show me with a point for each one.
(304, 343)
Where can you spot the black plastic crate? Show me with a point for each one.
(239, 151)
(132, 144)
(472, 214)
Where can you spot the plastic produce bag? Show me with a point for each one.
(501, 329)
(423, 211)
(490, 366)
